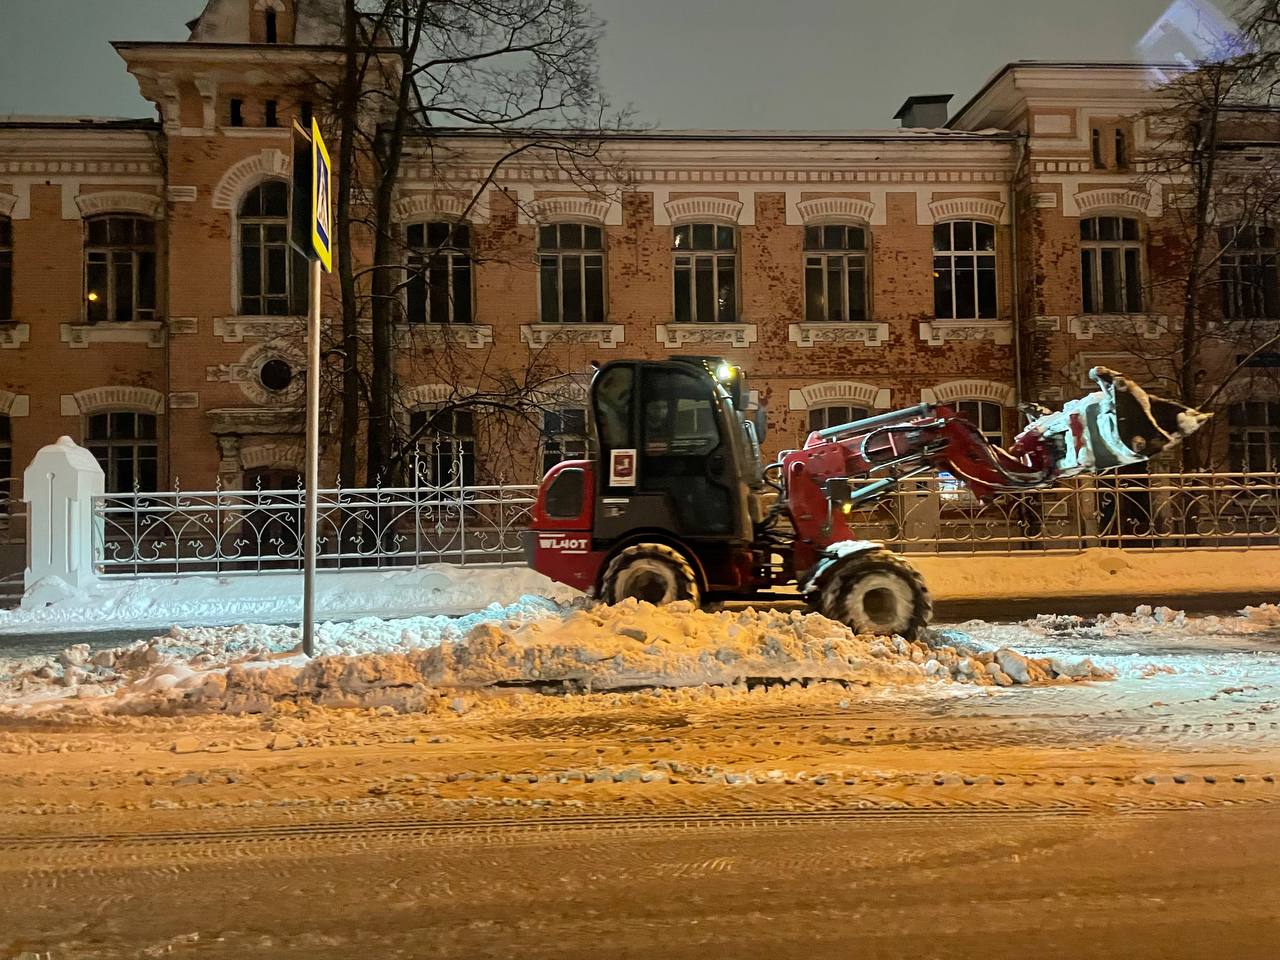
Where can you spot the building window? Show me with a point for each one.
(236, 112)
(1110, 265)
(1122, 149)
(706, 269)
(820, 418)
(6, 463)
(1247, 273)
(125, 446)
(571, 273)
(273, 276)
(835, 273)
(1109, 147)
(964, 270)
(439, 265)
(269, 18)
(986, 415)
(270, 116)
(1254, 436)
(564, 436)
(1095, 142)
(6, 268)
(446, 442)
(119, 269)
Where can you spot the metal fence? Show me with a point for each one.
(249, 531)
(13, 537)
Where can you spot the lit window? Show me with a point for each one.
(1110, 265)
(446, 442)
(571, 273)
(439, 266)
(119, 269)
(820, 418)
(1254, 436)
(706, 269)
(964, 270)
(273, 276)
(124, 444)
(986, 415)
(564, 436)
(1247, 272)
(6, 268)
(835, 273)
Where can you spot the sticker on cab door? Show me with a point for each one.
(622, 468)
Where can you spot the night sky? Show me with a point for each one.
(799, 64)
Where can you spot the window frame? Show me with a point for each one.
(111, 254)
(583, 253)
(822, 256)
(134, 443)
(954, 253)
(1092, 249)
(1266, 256)
(295, 285)
(559, 438)
(716, 254)
(462, 469)
(851, 413)
(1243, 436)
(6, 268)
(418, 265)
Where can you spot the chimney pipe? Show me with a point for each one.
(927, 111)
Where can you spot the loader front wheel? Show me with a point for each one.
(652, 572)
(877, 593)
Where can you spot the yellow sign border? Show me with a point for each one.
(323, 246)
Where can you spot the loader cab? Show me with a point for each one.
(675, 454)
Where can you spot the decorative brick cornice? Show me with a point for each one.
(246, 173)
(432, 394)
(429, 206)
(1148, 326)
(868, 334)
(78, 336)
(604, 335)
(7, 202)
(673, 335)
(472, 336)
(703, 208)
(14, 335)
(100, 399)
(120, 201)
(286, 456)
(839, 392)
(556, 209)
(968, 208)
(955, 390)
(938, 332)
(836, 208)
(14, 404)
(1093, 202)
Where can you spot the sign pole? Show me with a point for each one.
(313, 465)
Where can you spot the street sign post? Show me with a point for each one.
(311, 233)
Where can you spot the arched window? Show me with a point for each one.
(1110, 265)
(273, 276)
(269, 25)
(119, 268)
(986, 415)
(1248, 273)
(706, 272)
(835, 273)
(964, 270)
(832, 416)
(439, 265)
(6, 268)
(446, 441)
(571, 273)
(124, 443)
(1254, 435)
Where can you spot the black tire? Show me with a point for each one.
(652, 572)
(877, 592)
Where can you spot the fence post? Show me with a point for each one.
(59, 486)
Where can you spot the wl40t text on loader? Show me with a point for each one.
(677, 505)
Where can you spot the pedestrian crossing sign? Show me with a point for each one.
(321, 200)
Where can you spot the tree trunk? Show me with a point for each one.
(349, 116)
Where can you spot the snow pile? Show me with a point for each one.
(275, 597)
(412, 664)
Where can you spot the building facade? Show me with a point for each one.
(151, 309)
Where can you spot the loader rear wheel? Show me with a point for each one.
(878, 593)
(652, 572)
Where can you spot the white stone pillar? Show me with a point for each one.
(59, 486)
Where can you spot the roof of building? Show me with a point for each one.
(12, 121)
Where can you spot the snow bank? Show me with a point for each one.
(157, 604)
(414, 663)
(1100, 572)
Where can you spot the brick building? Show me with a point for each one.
(150, 307)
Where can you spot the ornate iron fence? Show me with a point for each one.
(249, 531)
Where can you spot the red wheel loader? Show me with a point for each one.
(677, 504)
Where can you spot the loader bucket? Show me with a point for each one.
(1115, 426)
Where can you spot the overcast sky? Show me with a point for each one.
(785, 64)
